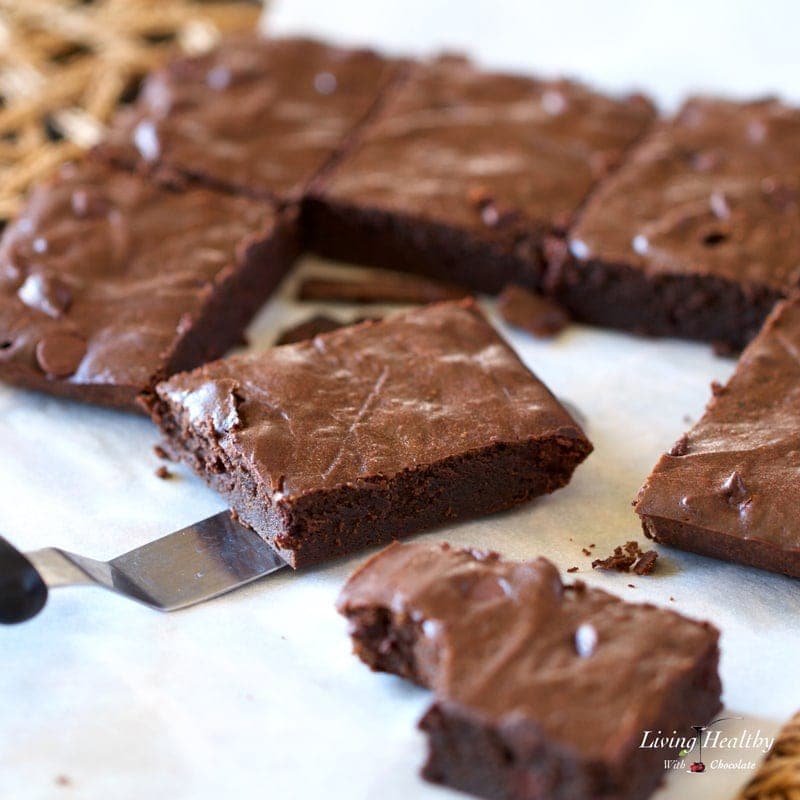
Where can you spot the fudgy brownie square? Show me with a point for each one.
(729, 488)
(372, 432)
(543, 691)
(110, 283)
(698, 234)
(463, 172)
(255, 115)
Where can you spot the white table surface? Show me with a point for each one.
(256, 695)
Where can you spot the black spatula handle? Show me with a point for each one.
(23, 593)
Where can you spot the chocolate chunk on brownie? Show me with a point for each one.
(698, 234)
(464, 171)
(542, 690)
(372, 432)
(728, 488)
(256, 115)
(109, 283)
(531, 311)
(379, 287)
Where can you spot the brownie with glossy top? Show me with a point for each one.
(543, 690)
(698, 234)
(372, 432)
(257, 115)
(728, 488)
(463, 172)
(110, 282)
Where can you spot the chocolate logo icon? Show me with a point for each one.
(699, 766)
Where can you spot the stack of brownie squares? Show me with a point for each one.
(129, 273)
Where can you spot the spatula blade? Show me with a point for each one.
(193, 564)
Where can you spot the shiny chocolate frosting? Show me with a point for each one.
(737, 471)
(510, 644)
(369, 400)
(497, 153)
(103, 272)
(714, 191)
(258, 115)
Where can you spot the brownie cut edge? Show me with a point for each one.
(542, 691)
(696, 235)
(462, 172)
(372, 432)
(110, 282)
(728, 487)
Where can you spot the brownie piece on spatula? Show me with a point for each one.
(371, 432)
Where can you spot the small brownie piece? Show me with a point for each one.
(698, 234)
(463, 172)
(256, 115)
(109, 283)
(372, 432)
(729, 488)
(532, 312)
(543, 691)
(308, 329)
(380, 287)
(313, 326)
(626, 558)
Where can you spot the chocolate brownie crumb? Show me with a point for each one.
(724, 349)
(161, 453)
(681, 447)
(646, 563)
(532, 312)
(586, 551)
(572, 569)
(163, 473)
(59, 354)
(628, 557)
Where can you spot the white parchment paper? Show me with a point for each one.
(256, 695)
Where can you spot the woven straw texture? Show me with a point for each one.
(65, 67)
(778, 778)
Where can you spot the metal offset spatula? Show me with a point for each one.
(186, 567)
